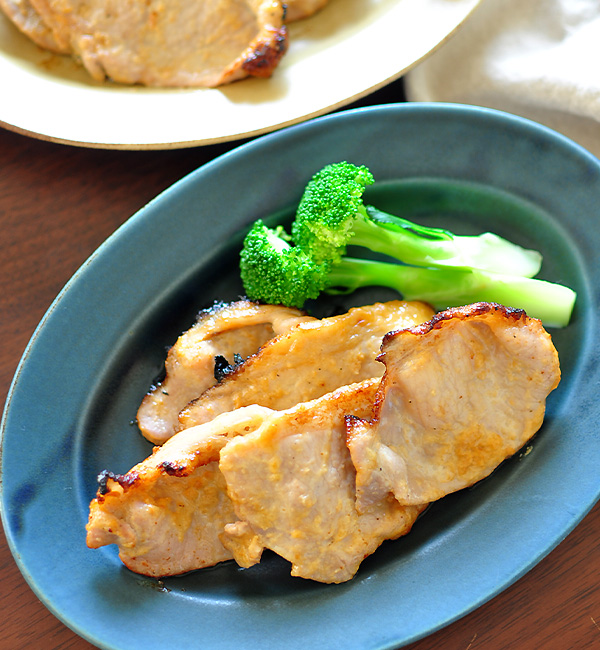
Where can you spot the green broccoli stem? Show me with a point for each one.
(449, 287)
(412, 244)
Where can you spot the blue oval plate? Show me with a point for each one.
(102, 343)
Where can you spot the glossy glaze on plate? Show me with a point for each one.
(104, 337)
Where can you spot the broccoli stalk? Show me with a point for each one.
(450, 287)
(436, 266)
(412, 244)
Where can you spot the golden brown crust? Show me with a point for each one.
(167, 512)
(461, 313)
(460, 394)
(223, 331)
(308, 361)
(169, 43)
(264, 57)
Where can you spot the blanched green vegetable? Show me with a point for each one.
(435, 266)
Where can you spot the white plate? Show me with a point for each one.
(346, 51)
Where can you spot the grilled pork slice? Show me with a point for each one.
(237, 328)
(308, 361)
(166, 514)
(27, 19)
(299, 9)
(170, 42)
(460, 394)
(292, 486)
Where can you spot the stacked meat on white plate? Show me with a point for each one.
(165, 43)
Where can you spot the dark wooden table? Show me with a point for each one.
(57, 204)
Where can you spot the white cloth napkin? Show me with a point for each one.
(539, 59)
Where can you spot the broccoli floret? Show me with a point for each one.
(331, 215)
(436, 266)
(325, 218)
(274, 271)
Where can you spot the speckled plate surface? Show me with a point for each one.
(346, 51)
(102, 343)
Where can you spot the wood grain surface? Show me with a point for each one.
(57, 204)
